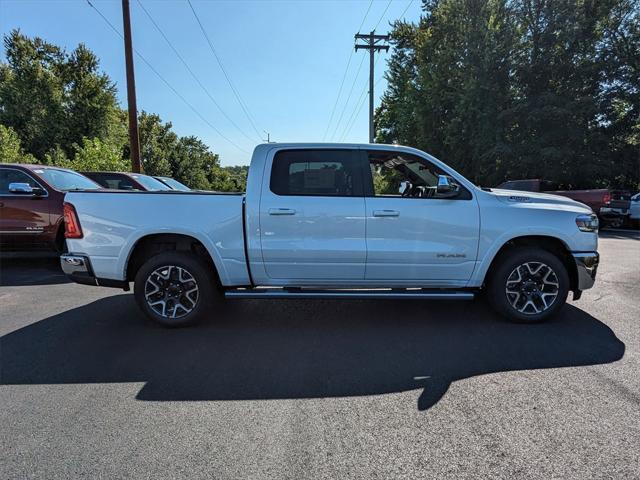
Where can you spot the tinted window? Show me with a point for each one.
(316, 172)
(150, 183)
(8, 176)
(116, 181)
(174, 184)
(65, 180)
(399, 174)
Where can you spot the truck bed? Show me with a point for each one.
(215, 219)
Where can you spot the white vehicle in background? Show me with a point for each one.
(634, 208)
(334, 221)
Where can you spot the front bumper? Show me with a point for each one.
(586, 267)
(78, 268)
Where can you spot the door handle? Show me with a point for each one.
(282, 211)
(386, 213)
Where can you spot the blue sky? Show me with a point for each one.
(286, 60)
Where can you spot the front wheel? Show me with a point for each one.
(528, 285)
(174, 289)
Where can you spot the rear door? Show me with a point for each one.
(413, 235)
(312, 216)
(24, 217)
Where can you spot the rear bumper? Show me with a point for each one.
(587, 267)
(78, 268)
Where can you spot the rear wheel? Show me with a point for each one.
(528, 285)
(175, 289)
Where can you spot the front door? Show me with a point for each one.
(413, 234)
(312, 216)
(24, 217)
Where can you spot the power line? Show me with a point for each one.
(384, 12)
(344, 76)
(206, 91)
(215, 54)
(184, 100)
(346, 103)
(358, 107)
(406, 8)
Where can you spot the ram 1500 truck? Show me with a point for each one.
(334, 221)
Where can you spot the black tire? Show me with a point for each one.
(184, 271)
(517, 263)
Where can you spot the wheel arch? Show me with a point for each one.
(151, 244)
(553, 245)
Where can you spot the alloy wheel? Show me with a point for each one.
(171, 291)
(532, 288)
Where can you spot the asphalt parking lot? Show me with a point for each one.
(319, 389)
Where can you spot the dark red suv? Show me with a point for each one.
(31, 212)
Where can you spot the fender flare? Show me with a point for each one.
(207, 242)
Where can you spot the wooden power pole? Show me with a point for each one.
(375, 43)
(134, 141)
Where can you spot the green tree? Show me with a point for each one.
(95, 155)
(10, 148)
(53, 98)
(520, 88)
(158, 144)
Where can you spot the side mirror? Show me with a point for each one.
(20, 188)
(446, 188)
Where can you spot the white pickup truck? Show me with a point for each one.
(334, 221)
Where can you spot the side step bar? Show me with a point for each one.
(363, 294)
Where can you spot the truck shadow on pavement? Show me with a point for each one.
(295, 349)
(19, 271)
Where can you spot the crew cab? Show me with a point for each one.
(334, 221)
(31, 198)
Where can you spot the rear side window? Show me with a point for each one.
(317, 173)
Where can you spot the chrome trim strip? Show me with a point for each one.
(587, 267)
(379, 294)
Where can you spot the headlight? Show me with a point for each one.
(587, 223)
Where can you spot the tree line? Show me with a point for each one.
(508, 89)
(58, 108)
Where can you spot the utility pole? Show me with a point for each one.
(374, 43)
(134, 141)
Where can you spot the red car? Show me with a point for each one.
(31, 213)
(594, 198)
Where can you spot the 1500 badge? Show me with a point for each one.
(451, 255)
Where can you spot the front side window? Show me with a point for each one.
(9, 176)
(399, 174)
(316, 172)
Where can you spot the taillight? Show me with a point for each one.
(606, 198)
(72, 227)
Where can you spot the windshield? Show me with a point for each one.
(66, 180)
(150, 183)
(173, 183)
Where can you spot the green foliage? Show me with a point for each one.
(64, 112)
(520, 89)
(10, 148)
(157, 144)
(97, 155)
(238, 175)
(52, 98)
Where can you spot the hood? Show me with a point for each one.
(543, 200)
